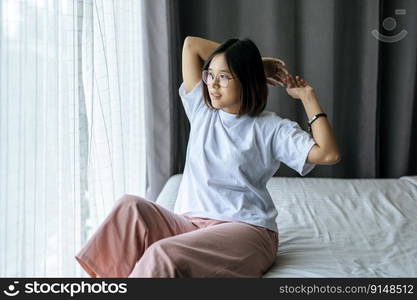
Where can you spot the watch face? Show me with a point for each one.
(316, 116)
(312, 119)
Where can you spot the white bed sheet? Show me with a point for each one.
(345, 227)
(339, 227)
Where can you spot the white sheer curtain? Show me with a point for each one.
(71, 127)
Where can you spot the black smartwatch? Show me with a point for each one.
(313, 118)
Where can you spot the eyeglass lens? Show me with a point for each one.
(209, 78)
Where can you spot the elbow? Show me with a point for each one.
(188, 41)
(333, 159)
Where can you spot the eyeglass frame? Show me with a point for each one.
(216, 78)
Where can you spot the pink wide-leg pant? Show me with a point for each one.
(140, 238)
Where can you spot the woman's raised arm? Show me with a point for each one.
(195, 51)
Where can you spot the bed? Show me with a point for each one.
(339, 227)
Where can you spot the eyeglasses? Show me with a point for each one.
(209, 78)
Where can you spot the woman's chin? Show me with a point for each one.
(216, 104)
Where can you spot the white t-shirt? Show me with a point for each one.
(229, 161)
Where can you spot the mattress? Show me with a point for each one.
(339, 227)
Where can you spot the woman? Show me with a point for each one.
(223, 223)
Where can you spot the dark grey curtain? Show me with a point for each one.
(366, 86)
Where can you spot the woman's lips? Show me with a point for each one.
(215, 95)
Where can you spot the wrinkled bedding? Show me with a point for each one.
(340, 227)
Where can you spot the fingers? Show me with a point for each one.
(272, 81)
(283, 71)
(280, 68)
(290, 81)
(300, 81)
(295, 82)
(281, 62)
(278, 73)
(283, 78)
(278, 76)
(275, 82)
(273, 59)
(281, 83)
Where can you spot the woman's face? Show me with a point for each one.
(224, 98)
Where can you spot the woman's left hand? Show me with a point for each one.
(275, 71)
(297, 87)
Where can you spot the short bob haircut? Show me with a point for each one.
(245, 62)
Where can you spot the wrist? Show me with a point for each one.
(308, 96)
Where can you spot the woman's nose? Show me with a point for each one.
(215, 81)
(215, 84)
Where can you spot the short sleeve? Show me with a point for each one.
(192, 101)
(292, 145)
